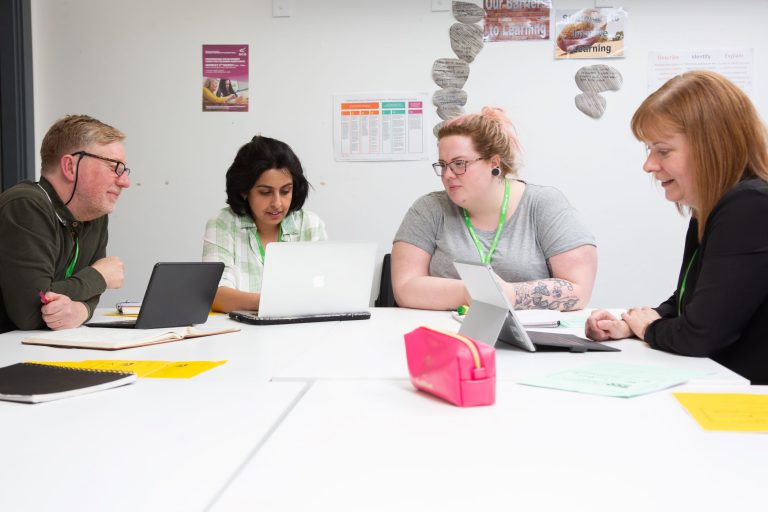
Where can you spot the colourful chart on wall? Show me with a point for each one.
(386, 126)
(225, 78)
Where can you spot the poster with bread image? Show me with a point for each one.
(590, 33)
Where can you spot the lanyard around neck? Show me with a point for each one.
(682, 285)
(261, 247)
(71, 267)
(485, 259)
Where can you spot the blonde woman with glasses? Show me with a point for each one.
(530, 235)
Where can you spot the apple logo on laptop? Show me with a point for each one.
(318, 281)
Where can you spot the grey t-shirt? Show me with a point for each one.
(544, 225)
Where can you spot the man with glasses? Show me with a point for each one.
(53, 262)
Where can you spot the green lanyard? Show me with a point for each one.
(682, 285)
(486, 259)
(71, 267)
(261, 247)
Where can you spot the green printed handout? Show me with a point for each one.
(613, 379)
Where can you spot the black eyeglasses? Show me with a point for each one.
(457, 167)
(119, 169)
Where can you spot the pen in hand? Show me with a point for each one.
(43, 298)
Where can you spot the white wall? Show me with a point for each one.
(137, 65)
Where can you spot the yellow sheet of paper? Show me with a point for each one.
(184, 369)
(142, 369)
(139, 367)
(735, 412)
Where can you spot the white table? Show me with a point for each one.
(381, 446)
(376, 349)
(246, 436)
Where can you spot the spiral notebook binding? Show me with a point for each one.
(95, 370)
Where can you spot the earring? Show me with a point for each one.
(495, 171)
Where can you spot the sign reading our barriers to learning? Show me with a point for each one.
(516, 20)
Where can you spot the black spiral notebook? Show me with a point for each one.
(33, 383)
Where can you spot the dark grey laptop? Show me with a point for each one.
(492, 318)
(178, 294)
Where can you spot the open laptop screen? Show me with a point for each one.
(310, 278)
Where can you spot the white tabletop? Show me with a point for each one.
(381, 446)
(246, 436)
(375, 349)
(159, 444)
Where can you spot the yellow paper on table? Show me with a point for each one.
(140, 368)
(735, 412)
(184, 369)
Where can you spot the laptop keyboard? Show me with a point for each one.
(574, 343)
(254, 318)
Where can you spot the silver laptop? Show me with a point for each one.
(313, 282)
(492, 318)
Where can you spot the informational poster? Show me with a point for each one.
(225, 78)
(591, 33)
(381, 126)
(735, 64)
(516, 20)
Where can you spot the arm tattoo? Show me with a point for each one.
(556, 294)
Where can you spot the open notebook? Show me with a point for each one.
(314, 282)
(115, 339)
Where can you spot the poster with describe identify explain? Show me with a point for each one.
(736, 64)
(225, 78)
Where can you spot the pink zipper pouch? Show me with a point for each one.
(451, 366)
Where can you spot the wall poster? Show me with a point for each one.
(225, 78)
(591, 33)
(516, 20)
(380, 126)
(734, 64)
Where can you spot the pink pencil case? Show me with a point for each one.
(454, 367)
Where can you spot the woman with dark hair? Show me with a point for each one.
(225, 89)
(709, 149)
(266, 189)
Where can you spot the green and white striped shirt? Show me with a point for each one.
(231, 239)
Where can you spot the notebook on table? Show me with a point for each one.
(314, 282)
(33, 383)
(492, 318)
(178, 294)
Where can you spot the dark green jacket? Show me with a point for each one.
(37, 242)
